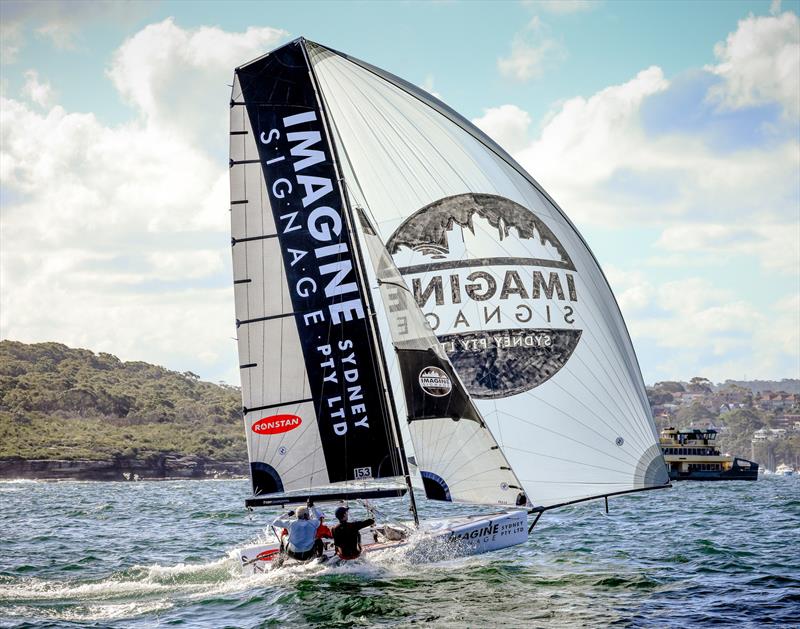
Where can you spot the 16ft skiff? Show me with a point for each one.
(400, 280)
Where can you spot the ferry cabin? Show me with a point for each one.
(693, 455)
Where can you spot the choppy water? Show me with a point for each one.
(162, 554)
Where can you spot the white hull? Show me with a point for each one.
(466, 535)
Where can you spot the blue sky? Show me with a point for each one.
(668, 131)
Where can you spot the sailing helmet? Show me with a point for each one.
(302, 513)
(340, 513)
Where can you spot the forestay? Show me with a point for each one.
(315, 410)
(507, 283)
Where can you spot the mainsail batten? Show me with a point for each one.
(541, 345)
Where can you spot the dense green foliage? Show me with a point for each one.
(63, 403)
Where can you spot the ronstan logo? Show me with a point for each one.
(276, 424)
(435, 382)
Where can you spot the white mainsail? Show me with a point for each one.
(506, 281)
(315, 411)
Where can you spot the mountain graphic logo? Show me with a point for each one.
(497, 286)
(435, 381)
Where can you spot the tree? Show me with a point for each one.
(690, 416)
(700, 385)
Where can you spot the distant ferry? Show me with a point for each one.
(784, 470)
(693, 456)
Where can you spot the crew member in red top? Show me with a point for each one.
(346, 536)
(323, 530)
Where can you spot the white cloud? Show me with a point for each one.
(58, 21)
(631, 288)
(590, 150)
(531, 52)
(507, 125)
(713, 211)
(701, 328)
(173, 76)
(116, 237)
(776, 246)
(760, 63)
(39, 92)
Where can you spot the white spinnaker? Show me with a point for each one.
(272, 367)
(585, 429)
(462, 455)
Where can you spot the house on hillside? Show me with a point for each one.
(776, 400)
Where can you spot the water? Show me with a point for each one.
(163, 554)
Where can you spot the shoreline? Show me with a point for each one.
(160, 467)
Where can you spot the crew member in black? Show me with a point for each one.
(346, 536)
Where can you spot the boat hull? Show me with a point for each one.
(435, 540)
(732, 474)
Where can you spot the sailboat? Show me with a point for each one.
(401, 281)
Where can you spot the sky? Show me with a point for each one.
(668, 131)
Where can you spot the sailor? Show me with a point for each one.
(346, 536)
(303, 543)
(323, 530)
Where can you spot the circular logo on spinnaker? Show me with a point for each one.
(435, 382)
(496, 285)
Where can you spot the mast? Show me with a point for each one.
(361, 270)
